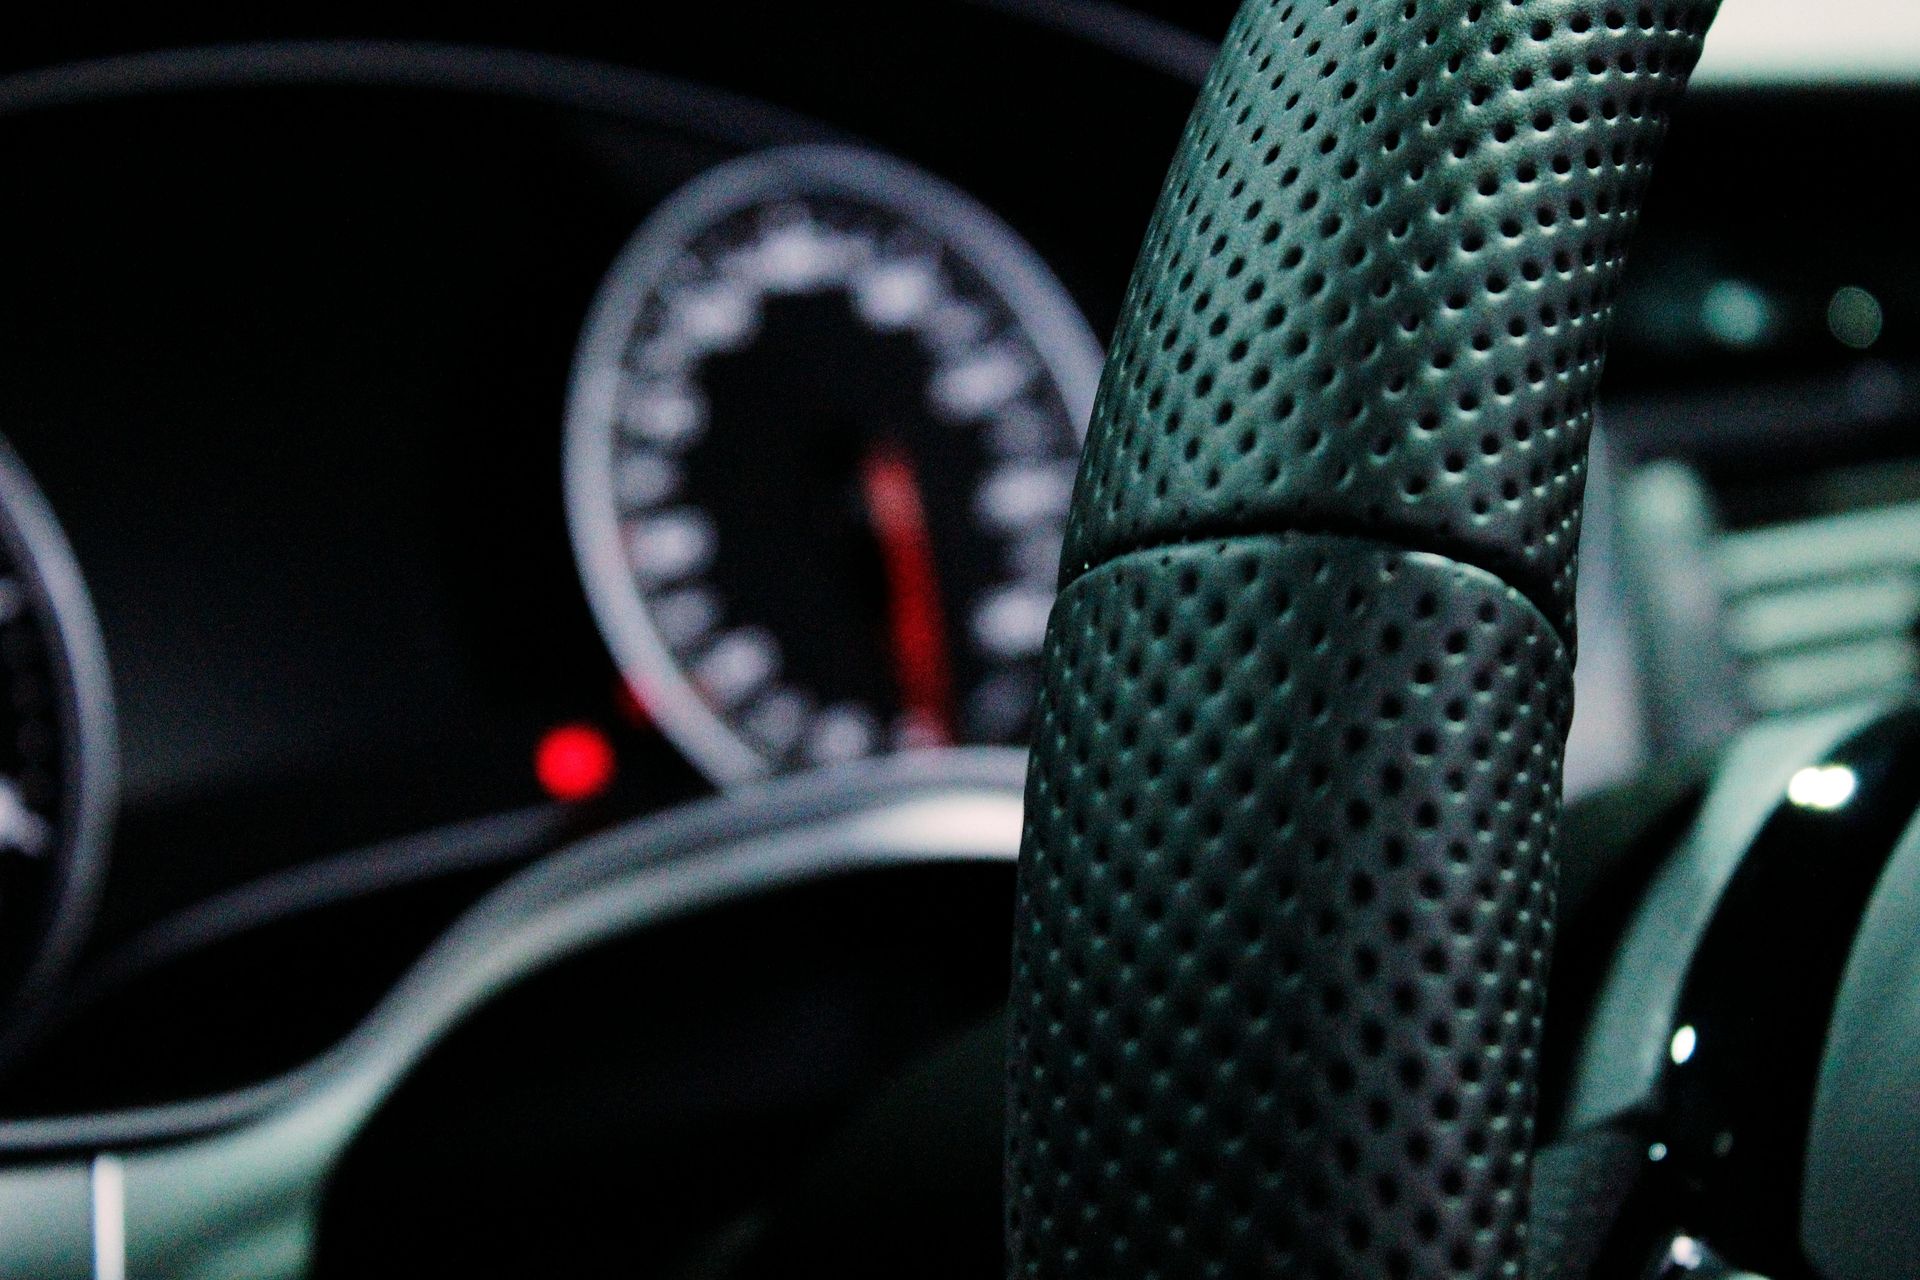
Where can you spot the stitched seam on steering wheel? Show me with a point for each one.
(1225, 531)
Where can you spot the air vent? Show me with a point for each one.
(1786, 617)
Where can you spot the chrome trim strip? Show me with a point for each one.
(932, 807)
(109, 1186)
(231, 1185)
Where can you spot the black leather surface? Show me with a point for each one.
(1374, 296)
(1862, 1180)
(1286, 892)
(1284, 913)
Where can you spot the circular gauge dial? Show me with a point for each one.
(821, 440)
(56, 742)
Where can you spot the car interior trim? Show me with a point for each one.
(915, 808)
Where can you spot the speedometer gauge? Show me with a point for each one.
(821, 439)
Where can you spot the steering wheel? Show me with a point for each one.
(1287, 885)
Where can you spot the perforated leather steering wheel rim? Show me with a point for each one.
(1286, 892)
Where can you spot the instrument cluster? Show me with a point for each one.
(463, 450)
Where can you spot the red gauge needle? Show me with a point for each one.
(914, 617)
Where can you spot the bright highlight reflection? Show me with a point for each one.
(1736, 313)
(1855, 317)
(1823, 787)
(1685, 1252)
(1685, 1041)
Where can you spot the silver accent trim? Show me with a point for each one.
(1823, 547)
(232, 1185)
(960, 805)
(311, 886)
(109, 1186)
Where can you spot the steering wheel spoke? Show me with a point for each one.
(1287, 879)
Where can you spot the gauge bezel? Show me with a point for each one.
(76, 654)
(1049, 318)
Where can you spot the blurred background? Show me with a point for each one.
(439, 439)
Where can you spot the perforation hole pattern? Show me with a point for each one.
(1375, 294)
(1284, 913)
(1285, 903)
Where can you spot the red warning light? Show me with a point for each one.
(574, 762)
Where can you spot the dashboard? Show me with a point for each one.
(462, 440)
